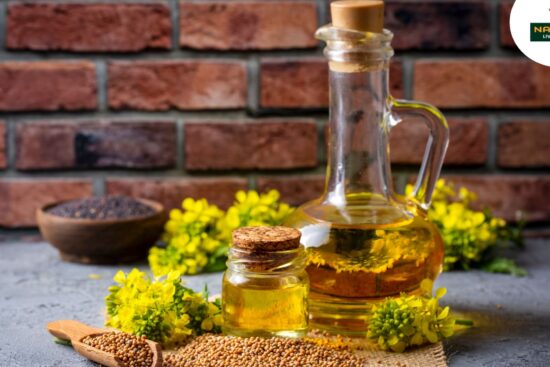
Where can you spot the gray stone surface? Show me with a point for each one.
(512, 315)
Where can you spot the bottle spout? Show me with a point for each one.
(356, 39)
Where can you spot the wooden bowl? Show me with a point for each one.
(102, 241)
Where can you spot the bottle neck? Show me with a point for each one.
(266, 262)
(358, 150)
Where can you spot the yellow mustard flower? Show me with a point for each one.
(197, 236)
(161, 309)
(399, 323)
(469, 235)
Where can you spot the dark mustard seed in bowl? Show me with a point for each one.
(102, 207)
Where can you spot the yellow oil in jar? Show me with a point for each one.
(265, 306)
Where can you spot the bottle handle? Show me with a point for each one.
(436, 147)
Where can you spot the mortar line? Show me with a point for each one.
(11, 149)
(408, 76)
(102, 86)
(494, 27)
(30, 116)
(492, 144)
(322, 12)
(400, 182)
(3, 25)
(253, 85)
(153, 54)
(180, 141)
(175, 19)
(252, 181)
(99, 185)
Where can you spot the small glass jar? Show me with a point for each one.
(265, 287)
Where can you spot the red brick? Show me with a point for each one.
(88, 27)
(470, 83)
(454, 25)
(446, 25)
(267, 144)
(105, 144)
(3, 159)
(506, 38)
(19, 199)
(509, 195)
(524, 144)
(303, 83)
(171, 191)
(294, 190)
(295, 83)
(189, 84)
(47, 86)
(467, 146)
(243, 25)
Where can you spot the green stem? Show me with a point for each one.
(464, 322)
(62, 341)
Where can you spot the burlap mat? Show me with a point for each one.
(431, 355)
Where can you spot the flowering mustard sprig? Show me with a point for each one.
(191, 238)
(162, 309)
(253, 209)
(399, 323)
(469, 235)
(198, 236)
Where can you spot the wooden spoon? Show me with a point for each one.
(76, 331)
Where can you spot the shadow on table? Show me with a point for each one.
(501, 337)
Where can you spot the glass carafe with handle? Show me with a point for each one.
(364, 242)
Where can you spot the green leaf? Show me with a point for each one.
(504, 266)
(221, 251)
(215, 264)
(464, 322)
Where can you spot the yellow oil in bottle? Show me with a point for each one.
(266, 307)
(361, 254)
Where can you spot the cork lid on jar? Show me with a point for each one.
(260, 239)
(359, 15)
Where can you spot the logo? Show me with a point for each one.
(540, 32)
(530, 27)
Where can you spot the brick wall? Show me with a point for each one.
(166, 99)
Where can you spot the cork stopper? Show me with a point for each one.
(359, 15)
(260, 239)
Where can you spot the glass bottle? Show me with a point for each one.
(364, 242)
(265, 288)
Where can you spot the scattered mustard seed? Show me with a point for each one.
(227, 351)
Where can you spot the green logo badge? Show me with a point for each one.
(540, 32)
